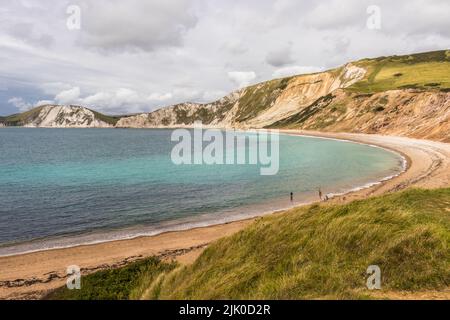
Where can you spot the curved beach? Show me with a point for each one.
(32, 274)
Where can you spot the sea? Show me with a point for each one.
(67, 187)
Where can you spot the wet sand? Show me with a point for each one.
(31, 275)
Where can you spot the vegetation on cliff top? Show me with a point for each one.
(20, 119)
(112, 120)
(429, 70)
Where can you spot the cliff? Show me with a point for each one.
(56, 116)
(400, 95)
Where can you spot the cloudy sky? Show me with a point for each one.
(136, 55)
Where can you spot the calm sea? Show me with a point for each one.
(63, 187)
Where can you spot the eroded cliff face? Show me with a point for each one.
(254, 106)
(302, 91)
(215, 114)
(408, 112)
(54, 116)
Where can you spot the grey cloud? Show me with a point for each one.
(413, 17)
(335, 14)
(25, 32)
(280, 57)
(235, 47)
(135, 24)
(418, 18)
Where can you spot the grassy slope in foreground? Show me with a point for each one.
(319, 251)
(323, 251)
(128, 282)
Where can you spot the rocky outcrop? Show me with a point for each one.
(55, 116)
(216, 114)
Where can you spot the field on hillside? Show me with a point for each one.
(429, 70)
(315, 252)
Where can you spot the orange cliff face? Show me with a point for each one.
(412, 113)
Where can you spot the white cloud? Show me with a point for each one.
(20, 104)
(280, 56)
(334, 14)
(114, 100)
(70, 96)
(211, 96)
(44, 102)
(160, 96)
(23, 106)
(295, 70)
(242, 78)
(53, 88)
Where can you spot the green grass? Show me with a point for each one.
(21, 118)
(315, 252)
(418, 71)
(323, 251)
(112, 120)
(127, 282)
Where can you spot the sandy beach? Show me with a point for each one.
(32, 275)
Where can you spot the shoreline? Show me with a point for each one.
(249, 212)
(427, 166)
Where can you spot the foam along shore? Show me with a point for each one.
(31, 275)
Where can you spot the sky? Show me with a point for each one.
(136, 56)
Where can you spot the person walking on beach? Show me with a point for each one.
(292, 196)
(320, 193)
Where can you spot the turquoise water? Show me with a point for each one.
(61, 187)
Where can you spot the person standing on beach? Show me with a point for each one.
(320, 193)
(292, 196)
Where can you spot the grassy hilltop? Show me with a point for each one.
(315, 252)
(425, 71)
